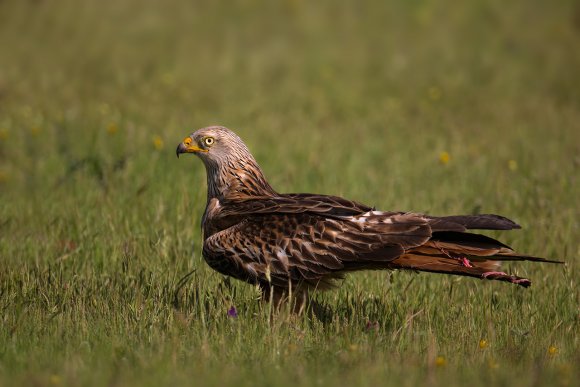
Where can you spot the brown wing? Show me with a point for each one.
(337, 207)
(293, 204)
(311, 239)
(309, 249)
(223, 214)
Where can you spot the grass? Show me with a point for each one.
(101, 279)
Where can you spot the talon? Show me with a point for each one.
(493, 273)
(521, 281)
(465, 262)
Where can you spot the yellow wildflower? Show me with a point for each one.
(112, 128)
(157, 142)
(552, 351)
(444, 158)
(440, 361)
(483, 344)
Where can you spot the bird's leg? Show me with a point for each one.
(493, 274)
(298, 299)
(506, 277)
(272, 295)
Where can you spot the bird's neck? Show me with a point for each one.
(237, 179)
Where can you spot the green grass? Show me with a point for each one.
(99, 222)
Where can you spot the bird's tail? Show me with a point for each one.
(465, 254)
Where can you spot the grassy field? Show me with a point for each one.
(439, 107)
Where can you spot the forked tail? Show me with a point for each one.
(467, 254)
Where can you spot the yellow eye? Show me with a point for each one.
(208, 141)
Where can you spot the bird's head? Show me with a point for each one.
(214, 145)
(231, 169)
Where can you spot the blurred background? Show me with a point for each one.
(294, 78)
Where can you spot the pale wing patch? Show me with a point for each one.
(372, 217)
(282, 257)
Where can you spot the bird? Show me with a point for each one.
(297, 243)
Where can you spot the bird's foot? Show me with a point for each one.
(521, 281)
(465, 262)
(493, 274)
(500, 275)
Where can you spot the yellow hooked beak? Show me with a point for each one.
(188, 146)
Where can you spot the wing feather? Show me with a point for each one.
(311, 239)
(306, 248)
